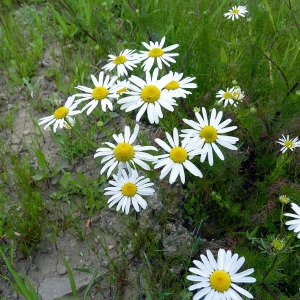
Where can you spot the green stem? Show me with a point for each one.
(279, 169)
(92, 144)
(112, 121)
(281, 219)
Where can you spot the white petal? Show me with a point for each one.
(237, 265)
(201, 293)
(217, 150)
(241, 291)
(212, 260)
(141, 111)
(126, 134)
(174, 173)
(134, 134)
(192, 168)
(164, 145)
(238, 277)
(221, 259)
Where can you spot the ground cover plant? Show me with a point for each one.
(182, 120)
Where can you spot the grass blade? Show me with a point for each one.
(28, 292)
(71, 277)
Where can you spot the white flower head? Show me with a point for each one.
(127, 59)
(207, 134)
(62, 113)
(284, 199)
(128, 189)
(218, 279)
(226, 96)
(237, 94)
(103, 92)
(177, 158)
(177, 86)
(157, 53)
(288, 143)
(236, 12)
(231, 96)
(294, 225)
(124, 154)
(148, 95)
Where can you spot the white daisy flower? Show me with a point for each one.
(127, 59)
(104, 91)
(158, 53)
(150, 95)
(288, 143)
(237, 94)
(62, 113)
(294, 224)
(178, 85)
(124, 154)
(177, 157)
(236, 12)
(128, 189)
(219, 280)
(208, 134)
(226, 96)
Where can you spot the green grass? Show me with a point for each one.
(50, 47)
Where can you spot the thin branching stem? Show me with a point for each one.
(269, 291)
(112, 121)
(92, 144)
(267, 57)
(289, 5)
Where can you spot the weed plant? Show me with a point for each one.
(239, 203)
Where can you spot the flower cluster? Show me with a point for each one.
(151, 94)
(122, 158)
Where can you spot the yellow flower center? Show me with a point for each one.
(235, 11)
(156, 52)
(61, 113)
(129, 189)
(178, 154)
(220, 281)
(150, 93)
(120, 91)
(99, 93)
(172, 85)
(209, 133)
(124, 152)
(120, 59)
(227, 95)
(289, 144)
(278, 245)
(284, 199)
